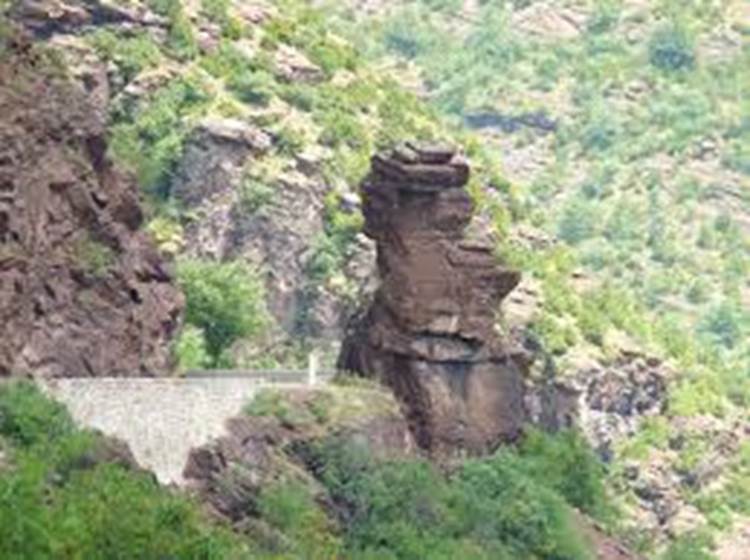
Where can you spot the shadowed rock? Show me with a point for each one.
(430, 331)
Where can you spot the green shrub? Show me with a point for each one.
(191, 349)
(409, 34)
(690, 547)
(290, 507)
(180, 35)
(227, 61)
(149, 137)
(250, 86)
(56, 504)
(255, 194)
(565, 463)
(181, 38)
(289, 140)
(27, 418)
(578, 221)
(331, 248)
(132, 55)
(166, 8)
(216, 10)
(94, 256)
(267, 403)
(225, 300)
(671, 49)
(723, 325)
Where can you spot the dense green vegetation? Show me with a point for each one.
(491, 508)
(225, 303)
(62, 496)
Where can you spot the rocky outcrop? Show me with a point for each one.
(278, 436)
(272, 222)
(607, 402)
(82, 291)
(430, 332)
(48, 17)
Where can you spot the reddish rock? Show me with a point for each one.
(430, 332)
(82, 290)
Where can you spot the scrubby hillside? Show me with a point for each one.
(248, 126)
(609, 143)
(622, 128)
(323, 474)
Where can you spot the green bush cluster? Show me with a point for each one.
(671, 49)
(504, 506)
(181, 40)
(225, 301)
(305, 28)
(131, 54)
(333, 246)
(255, 193)
(94, 256)
(149, 137)
(55, 502)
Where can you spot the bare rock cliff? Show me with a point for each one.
(430, 331)
(82, 291)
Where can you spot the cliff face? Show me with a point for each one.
(82, 291)
(429, 333)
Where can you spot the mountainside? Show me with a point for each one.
(622, 132)
(609, 144)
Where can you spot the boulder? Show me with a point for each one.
(430, 332)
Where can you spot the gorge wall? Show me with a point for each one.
(430, 331)
(82, 291)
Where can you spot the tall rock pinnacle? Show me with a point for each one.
(430, 331)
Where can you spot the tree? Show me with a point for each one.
(225, 300)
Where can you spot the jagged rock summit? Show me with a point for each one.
(82, 291)
(430, 331)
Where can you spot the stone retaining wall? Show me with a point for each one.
(162, 419)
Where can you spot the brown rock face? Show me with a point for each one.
(430, 332)
(82, 291)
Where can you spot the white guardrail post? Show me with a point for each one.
(312, 368)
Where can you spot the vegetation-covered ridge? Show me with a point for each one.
(624, 136)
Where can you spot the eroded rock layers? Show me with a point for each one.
(82, 291)
(430, 331)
